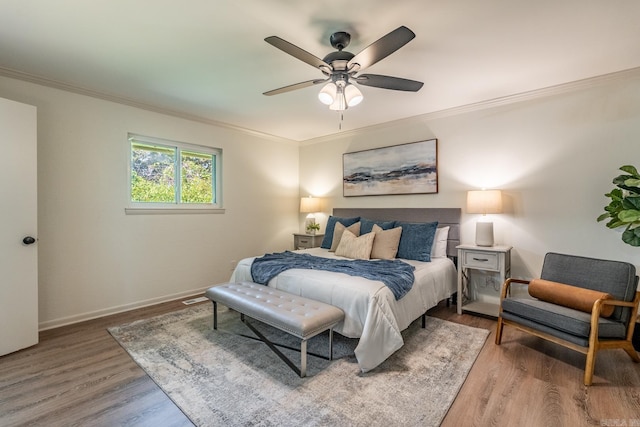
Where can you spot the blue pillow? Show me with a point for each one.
(416, 240)
(366, 225)
(331, 225)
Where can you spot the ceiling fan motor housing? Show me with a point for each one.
(338, 59)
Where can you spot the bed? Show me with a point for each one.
(372, 313)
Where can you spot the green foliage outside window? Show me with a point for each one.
(197, 184)
(153, 175)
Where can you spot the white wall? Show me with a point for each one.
(94, 259)
(553, 156)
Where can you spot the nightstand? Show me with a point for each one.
(307, 241)
(492, 266)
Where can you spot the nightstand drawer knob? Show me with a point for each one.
(481, 259)
(304, 241)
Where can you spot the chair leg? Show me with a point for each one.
(590, 365)
(499, 331)
(633, 354)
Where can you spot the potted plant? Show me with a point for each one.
(624, 208)
(312, 227)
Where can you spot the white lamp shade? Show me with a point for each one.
(353, 95)
(328, 93)
(309, 204)
(484, 202)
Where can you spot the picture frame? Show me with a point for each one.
(410, 168)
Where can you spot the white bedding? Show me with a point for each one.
(371, 311)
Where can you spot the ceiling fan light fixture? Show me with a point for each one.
(352, 95)
(328, 93)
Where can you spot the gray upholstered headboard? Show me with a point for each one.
(444, 216)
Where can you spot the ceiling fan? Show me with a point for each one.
(341, 68)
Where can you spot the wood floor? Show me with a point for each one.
(79, 376)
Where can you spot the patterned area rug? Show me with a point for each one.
(222, 378)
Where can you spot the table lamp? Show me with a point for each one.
(484, 202)
(309, 205)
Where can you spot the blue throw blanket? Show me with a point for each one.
(396, 274)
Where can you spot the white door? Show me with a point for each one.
(18, 222)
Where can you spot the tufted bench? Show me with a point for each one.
(296, 315)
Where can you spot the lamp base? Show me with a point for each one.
(484, 233)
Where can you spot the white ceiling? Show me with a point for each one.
(208, 58)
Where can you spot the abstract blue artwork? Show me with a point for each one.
(400, 169)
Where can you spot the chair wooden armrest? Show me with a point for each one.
(507, 285)
(597, 307)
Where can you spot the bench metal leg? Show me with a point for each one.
(215, 314)
(330, 343)
(303, 359)
(303, 371)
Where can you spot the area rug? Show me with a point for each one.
(221, 378)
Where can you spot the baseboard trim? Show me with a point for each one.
(69, 320)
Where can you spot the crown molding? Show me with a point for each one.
(55, 84)
(631, 73)
(562, 88)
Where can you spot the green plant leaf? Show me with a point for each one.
(622, 182)
(630, 169)
(633, 182)
(615, 194)
(604, 216)
(615, 223)
(631, 202)
(631, 236)
(629, 215)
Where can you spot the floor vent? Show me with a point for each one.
(194, 300)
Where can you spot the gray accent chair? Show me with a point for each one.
(577, 330)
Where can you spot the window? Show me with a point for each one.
(154, 183)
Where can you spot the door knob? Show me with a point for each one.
(28, 240)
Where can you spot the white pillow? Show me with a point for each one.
(355, 247)
(439, 248)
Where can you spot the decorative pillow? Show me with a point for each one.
(416, 240)
(439, 249)
(331, 223)
(339, 230)
(385, 245)
(355, 247)
(569, 296)
(367, 225)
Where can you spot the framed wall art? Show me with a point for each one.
(400, 169)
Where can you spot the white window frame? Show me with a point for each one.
(134, 208)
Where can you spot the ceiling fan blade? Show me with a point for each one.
(297, 52)
(382, 48)
(295, 87)
(388, 82)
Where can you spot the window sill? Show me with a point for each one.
(171, 210)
